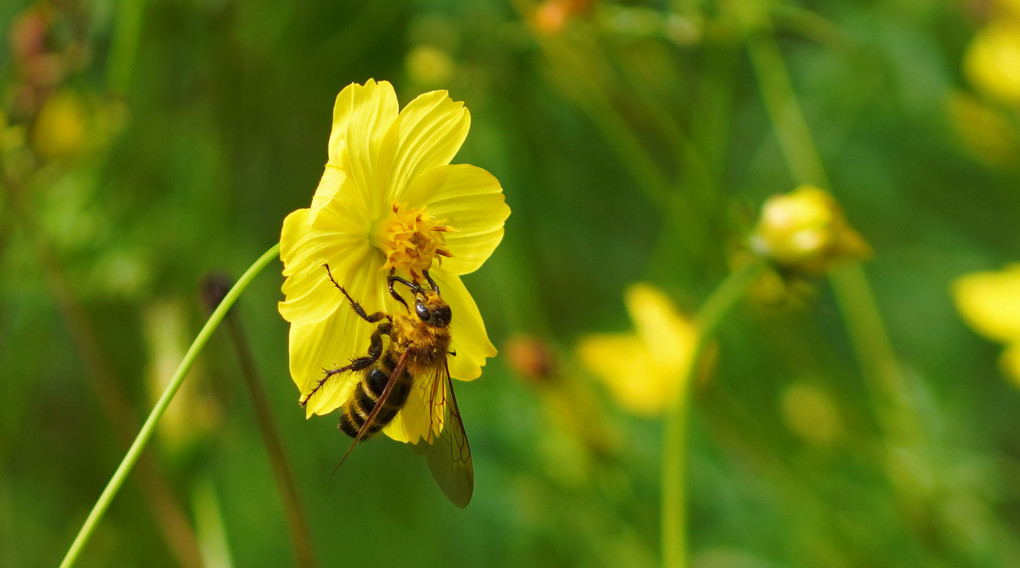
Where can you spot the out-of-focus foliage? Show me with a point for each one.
(144, 145)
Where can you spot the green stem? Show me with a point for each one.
(168, 514)
(149, 427)
(293, 513)
(674, 444)
(127, 29)
(784, 110)
(879, 364)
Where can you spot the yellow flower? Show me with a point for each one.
(990, 303)
(388, 199)
(986, 130)
(992, 61)
(643, 370)
(810, 413)
(430, 65)
(805, 231)
(62, 126)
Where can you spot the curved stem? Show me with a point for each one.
(133, 453)
(674, 442)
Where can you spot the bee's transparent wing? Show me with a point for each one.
(448, 452)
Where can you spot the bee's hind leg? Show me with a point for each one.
(375, 349)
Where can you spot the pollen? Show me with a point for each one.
(410, 239)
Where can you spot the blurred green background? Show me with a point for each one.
(147, 145)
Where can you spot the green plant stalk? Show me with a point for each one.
(795, 140)
(879, 364)
(293, 513)
(145, 434)
(674, 441)
(166, 511)
(127, 29)
(623, 140)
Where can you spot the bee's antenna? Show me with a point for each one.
(394, 278)
(435, 287)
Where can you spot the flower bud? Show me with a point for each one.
(804, 231)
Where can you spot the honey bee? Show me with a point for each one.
(408, 352)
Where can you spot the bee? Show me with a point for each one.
(408, 352)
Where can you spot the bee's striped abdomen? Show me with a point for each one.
(355, 412)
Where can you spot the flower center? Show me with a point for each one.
(410, 238)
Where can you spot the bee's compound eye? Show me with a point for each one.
(422, 311)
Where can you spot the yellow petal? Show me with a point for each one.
(400, 431)
(424, 410)
(669, 337)
(315, 347)
(624, 364)
(470, 200)
(361, 117)
(1011, 362)
(609, 356)
(329, 185)
(992, 60)
(990, 302)
(333, 342)
(309, 296)
(428, 133)
(470, 342)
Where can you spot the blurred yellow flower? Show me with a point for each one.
(985, 129)
(992, 61)
(1008, 9)
(643, 370)
(805, 231)
(990, 304)
(388, 199)
(429, 65)
(61, 127)
(811, 413)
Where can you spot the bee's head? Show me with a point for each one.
(431, 309)
(428, 304)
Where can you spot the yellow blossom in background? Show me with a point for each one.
(805, 231)
(388, 199)
(195, 414)
(430, 65)
(811, 413)
(643, 369)
(992, 61)
(990, 304)
(1008, 9)
(61, 128)
(984, 129)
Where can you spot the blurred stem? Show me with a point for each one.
(126, 31)
(871, 343)
(865, 326)
(159, 496)
(120, 475)
(296, 523)
(575, 70)
(209, 524)
(784, 110)
(674, 444)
